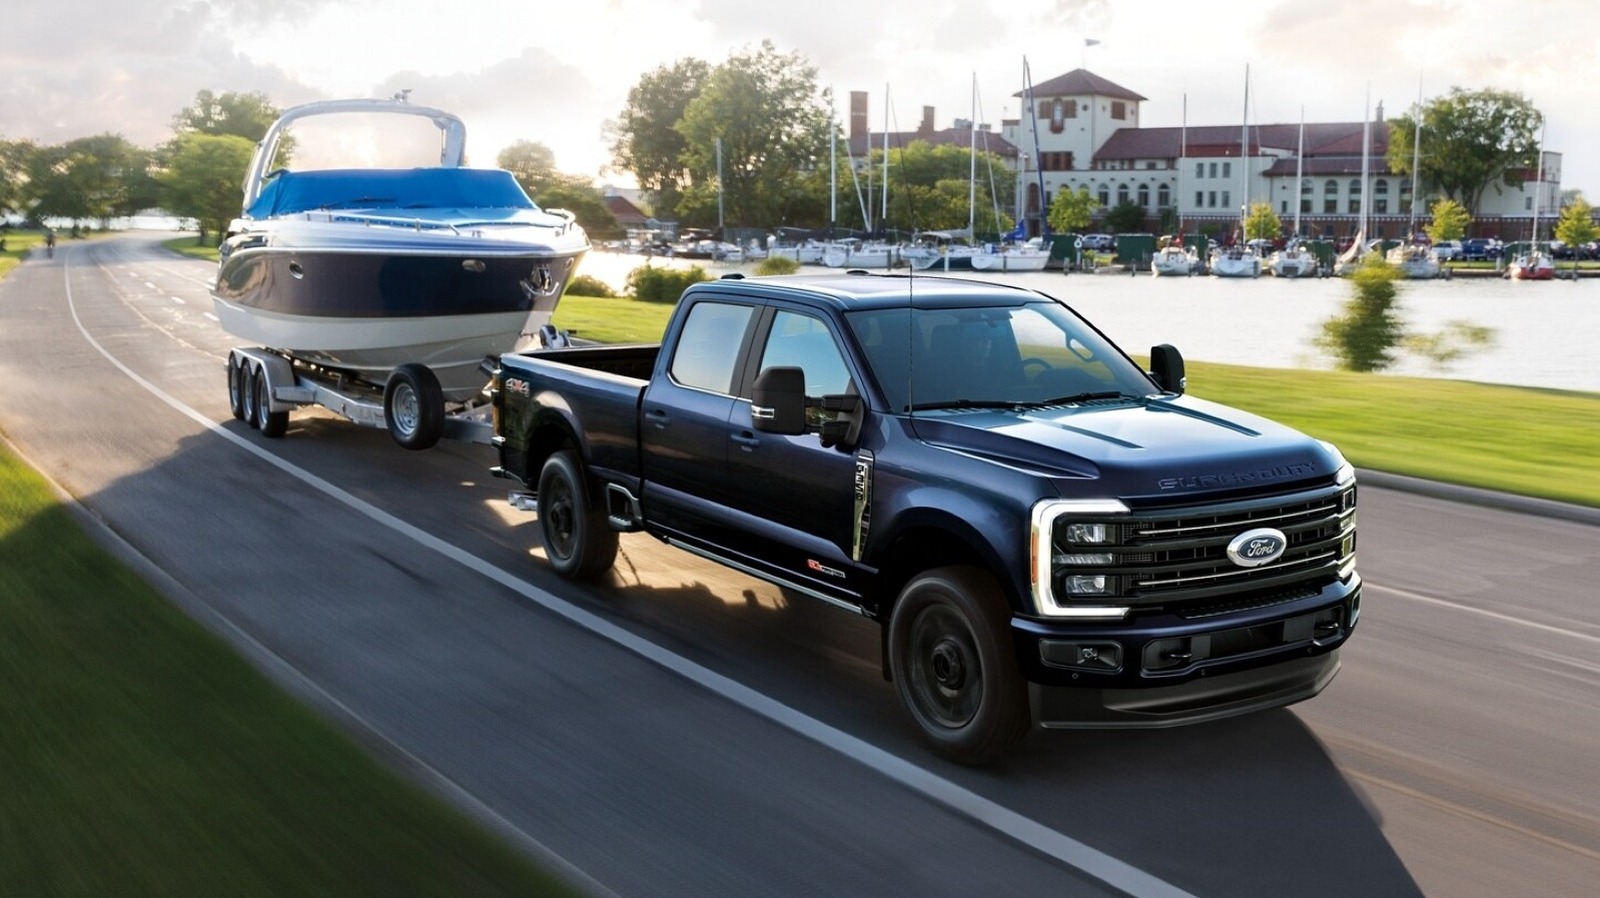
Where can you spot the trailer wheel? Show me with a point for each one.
(953, 663)
(247, 392)
(235, 389)
(271, 424)
(413, 406)
(577, 541)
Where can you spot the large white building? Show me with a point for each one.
(1081, 130)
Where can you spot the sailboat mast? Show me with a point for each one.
(1033, 116)
(1366, 151)
(972, 173)
(1538, 186)
(1244, 164)
(1416, 165)
(1183, 153)
(833, 165)
(1299, 170)
(883, 211)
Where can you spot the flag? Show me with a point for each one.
(1090, 42)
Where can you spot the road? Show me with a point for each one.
(687, 731)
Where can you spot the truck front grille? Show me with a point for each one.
(1180, 555)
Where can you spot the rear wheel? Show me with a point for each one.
(235, 390)
(953, 663)
(247, 392)
(413, 406)
(577, 541)
(271, 424)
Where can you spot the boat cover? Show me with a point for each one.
(389, 189)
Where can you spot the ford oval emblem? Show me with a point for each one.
(1253, 548)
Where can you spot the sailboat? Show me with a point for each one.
(1240, 259)
(1415, 258)
(1350, 259)
(1535, 264)
(1294, 260)
(859, 253)
(1174, 259)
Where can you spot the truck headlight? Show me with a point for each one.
(1076, 584)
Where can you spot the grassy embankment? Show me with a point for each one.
(139, 755)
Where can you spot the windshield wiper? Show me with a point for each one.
(1085, 397)
(966, 403)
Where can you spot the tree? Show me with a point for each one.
(202, 178)
(1576, 227)
(1471, 140)
(1450, 220)
(1072, 210)
(1125, 218)
(645, 140)
(242, 115)
(758, 122)
(934, 189)
(88, 178)
(1262, 223)
(534, 166)
(14, 162)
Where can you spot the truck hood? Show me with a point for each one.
(1138, 449)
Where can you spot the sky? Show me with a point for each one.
(556, 72)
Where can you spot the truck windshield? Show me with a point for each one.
(1033, 354)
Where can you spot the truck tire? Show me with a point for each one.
(413, 406)
(235, 386)
(247, 392)
(271, 424)
(577, 541)
(954, 665)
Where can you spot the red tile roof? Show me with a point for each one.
(1078, 83)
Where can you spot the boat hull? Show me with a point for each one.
(1010, 261)
(368, 307)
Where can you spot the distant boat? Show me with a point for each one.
(1416, 260)
(1030, 256)
(1293, 261)
(860, 254)
(1174, 260)
(1238, 261)
(1535, 264)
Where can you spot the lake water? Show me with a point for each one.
(1543, 331)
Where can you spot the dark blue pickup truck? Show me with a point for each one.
(1048, 534)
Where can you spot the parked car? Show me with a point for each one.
(1446, 250)
(1102, 243)
(1479, 249)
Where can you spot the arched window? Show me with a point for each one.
(1330, 188)
(1103, 194)
(1163, 197)
(1305, 188)
(1122, 194)
(1355, 186)
(1380, 196)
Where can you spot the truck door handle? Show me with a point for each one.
(658, 417)
(747, 440)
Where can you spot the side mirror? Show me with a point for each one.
(1166, 364)
(778, 401)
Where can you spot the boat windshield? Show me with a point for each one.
(344, 140)
(1023, 355)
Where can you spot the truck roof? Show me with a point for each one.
(853, 290)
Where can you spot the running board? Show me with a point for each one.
(763, 575)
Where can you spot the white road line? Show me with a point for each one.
(1090, 861)
(1482, 612)
(180, 300)
(212, 316)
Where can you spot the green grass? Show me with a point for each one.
(18, 242)
(139, 755)
(192, 246)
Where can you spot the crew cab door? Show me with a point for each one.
(796, 499)
(683, 418)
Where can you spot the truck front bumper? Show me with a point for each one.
(1165, 669)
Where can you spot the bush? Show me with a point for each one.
(1365, 336)
(651, 284)
(777, 265)
(589, 285)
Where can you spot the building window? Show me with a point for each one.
(1227, 199)
(1305, 188)
(1213, 169)
(1163, 197)
(1199, 198)
(1212, 196)
(1330, 187)
(1527, 204)
(1144, 195)
(1122, 194)
(1227, 169)
(1283, 207)
(1119, 110)
(1069, 109)
(1355, 187)
(1355, 205)
(1104, 195)
(1199, 169)
(1305, 205)
(1330, 204)
(1057, 117)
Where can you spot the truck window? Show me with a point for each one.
(708, 346)
(804, 342)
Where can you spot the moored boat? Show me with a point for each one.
(360, 270)
(1174, 260)
(1029, 256)
(1535, 264)
(1293, 261)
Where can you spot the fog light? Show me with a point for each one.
(1097, 656)
(1090, 584)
